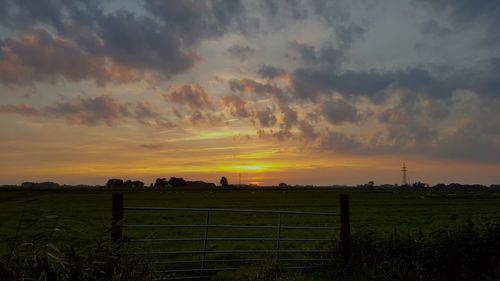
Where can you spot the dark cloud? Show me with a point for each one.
(286, 9)
(242, 53)
(475, 138)
(38, 56)
(93, 111)
(192, 96)
(403, 131)
(326, 56)
(142, 43)
(266, 117)
(290, 117)
(339, 111)
(163, 40)
(307, 131)
(275, 135)
(340, 143)
(464, 13)
(206, 118)
(483, 78)
(270, 72)
(432, 27)
(312, 83)
(258, 89)
(196, 20)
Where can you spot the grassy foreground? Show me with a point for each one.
(464, 253)
(398, 234)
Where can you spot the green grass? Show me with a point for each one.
(77, 219)
(88, 212)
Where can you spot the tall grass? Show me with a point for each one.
(466, 253)
(46, 262)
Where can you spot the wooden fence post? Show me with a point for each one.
(117, 220)
(345, 227)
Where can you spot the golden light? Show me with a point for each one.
(250, 168)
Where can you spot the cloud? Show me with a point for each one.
(140, 42)
(266, 117)
(156, 146)
(432, 27)
(206, 118)
(242, 53)
(325, 56)
(21, 109)
(89, 40)
(287, 9)
(465, 13)
(38, 56)
(101, 110)
(236, 106)
(258, 89)
(290, 117)
(339, 111)
(340, 143)
(280, 135)
(309, 83)
(192, 96)
(91, 111)
(85, 42)
(270, 72)
(307, 131)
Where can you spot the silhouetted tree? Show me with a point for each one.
(223, 181)
(114, 183)
(371, 184)
(283, 185)
(40, 185)
(161, 182)
(133, 184)
(200, 184)
(28, 184)
(177, 181)
(138, 184)
(420, 184)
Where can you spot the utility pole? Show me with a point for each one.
(405, 178)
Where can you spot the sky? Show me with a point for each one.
(318, 92)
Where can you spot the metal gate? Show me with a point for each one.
(193, 243)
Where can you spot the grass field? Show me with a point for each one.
(79, 219)
(84, 216)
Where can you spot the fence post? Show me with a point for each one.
(345, 227)
(117, 220)
(278, 238)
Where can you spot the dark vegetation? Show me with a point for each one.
(42, 260)
(399, 234)
(181, 182)
(159, 183)
(464, 253)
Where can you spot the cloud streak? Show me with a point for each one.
(102, 110)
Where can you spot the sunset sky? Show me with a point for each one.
(304, 92)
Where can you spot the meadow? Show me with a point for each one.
(80, 218)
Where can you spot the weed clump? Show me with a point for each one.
(464, 253)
